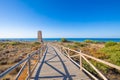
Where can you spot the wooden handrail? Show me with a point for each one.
(75, 55)
(101, 61)
(96, 59)
(80, 66)
(82, 55)
(95, 68)
(25, 61)
(12, 68)
(21, 70)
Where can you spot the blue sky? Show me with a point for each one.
(60, 18)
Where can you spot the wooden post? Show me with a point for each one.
(29, 67)
(61, 49)
(80, 61)
(39, 55)
(68, 53)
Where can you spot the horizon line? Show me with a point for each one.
(63, 37)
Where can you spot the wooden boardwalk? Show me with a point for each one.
(55, 66)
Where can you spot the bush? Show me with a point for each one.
(14, 43)
(35, 48)
(89, 41)
(80, 44)
(3, 62)
(64, 40)
(113, 50)
(108, 44)
(76, 43)
(37, 43)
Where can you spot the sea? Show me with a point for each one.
(59, 39)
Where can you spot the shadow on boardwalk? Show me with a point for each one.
(62, 74)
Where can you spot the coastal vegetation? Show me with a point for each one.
(108, 44)
(89, 41)
(107, 51)
(11, 52)
(64, 40)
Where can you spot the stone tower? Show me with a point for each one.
(39, 36)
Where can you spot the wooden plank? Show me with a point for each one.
(92, 76)
(80, 62)
(75, 55)
(55, 66)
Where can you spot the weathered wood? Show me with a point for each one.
(55, 66)
(104, 62)
(80, 62)
(96, 59)
(19, 73)
(95, 68)
(25, 61)
(29, 67)
(75, 55)
(34, 67)
(12, 68)
(66, 52)
(90, 74)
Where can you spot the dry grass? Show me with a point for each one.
(13, 52)
(99, 50)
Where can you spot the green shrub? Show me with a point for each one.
(37, 43)
(14, 43)
(107, 44)
(76, 43)
(89, 41)
(64, 40)
(72, 46)
(80, 44)
(113, 51)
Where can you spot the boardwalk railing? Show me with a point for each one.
(27, 62)
(82, 56)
